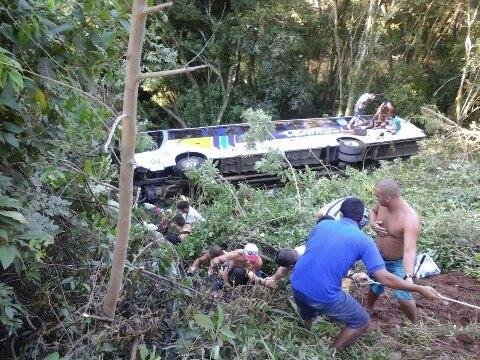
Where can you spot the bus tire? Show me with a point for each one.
(351, 146)
(188, 162)
(349, 158)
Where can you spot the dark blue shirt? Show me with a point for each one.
(333, 247)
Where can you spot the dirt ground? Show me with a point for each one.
(445, 330)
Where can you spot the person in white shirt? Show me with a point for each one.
(359, 111)
(191, 215)
(333, 209)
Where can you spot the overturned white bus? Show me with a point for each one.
(316, 142)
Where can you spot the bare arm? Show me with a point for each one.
(268, 282)
(199, 261)
(375, 223)
(281, 273)
(394, 282)
(232, 255)
(410, 233)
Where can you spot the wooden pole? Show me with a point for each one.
(129, 133)
(133, 76)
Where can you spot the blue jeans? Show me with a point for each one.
(396, 268)
(346, 310)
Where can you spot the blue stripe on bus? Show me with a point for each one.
(231, 140)
(223, 142)
(216, 142)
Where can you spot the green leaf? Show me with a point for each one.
(221, 317)
(215, 353)
(9, 312)
(228, 333)
(24, 34)
(15, 215)
(3, 234)
(14, 128)
(17, 80)
(11, 139)
(7, 255)
(6, 201)
(52, 356)
(204, 321)
(107, 347)
(143, 351)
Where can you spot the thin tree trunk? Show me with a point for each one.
(341, 94)
(199, 106)
(368, 39)
(182, 122)
(129, 131)
(226, 95)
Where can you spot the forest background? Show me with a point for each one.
(61, 83)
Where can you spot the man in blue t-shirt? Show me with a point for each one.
(333, 247)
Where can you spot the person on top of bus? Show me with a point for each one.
(359, 110)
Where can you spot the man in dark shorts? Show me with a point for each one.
(333, 247)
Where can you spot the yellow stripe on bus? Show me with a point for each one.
(203, 142)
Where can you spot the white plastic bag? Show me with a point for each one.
(425, 266)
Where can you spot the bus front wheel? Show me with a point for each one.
(187, 163)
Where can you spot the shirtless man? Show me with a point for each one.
(397, 226)
(248, 257)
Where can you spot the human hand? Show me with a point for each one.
(210, 270)
(269, 282)
(429, 292)
(223, 273)
(361, 278)
(191, 270)
(379, 230)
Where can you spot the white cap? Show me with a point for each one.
(250, 250)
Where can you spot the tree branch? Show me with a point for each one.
(150, 75)
(156, 8)
(112, 131)
(133, 352)
(175, 116)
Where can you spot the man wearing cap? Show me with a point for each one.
(333, 247)
(247, 257)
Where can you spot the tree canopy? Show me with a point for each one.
(61, 81)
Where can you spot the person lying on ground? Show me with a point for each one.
(191, 215)
(247, 257)
(177, 231)
(332, 249)
(206, 257)
(397, 226)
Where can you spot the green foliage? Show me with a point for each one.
(260, 127)
(10, 310)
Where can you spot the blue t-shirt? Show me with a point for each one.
(333, 247)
